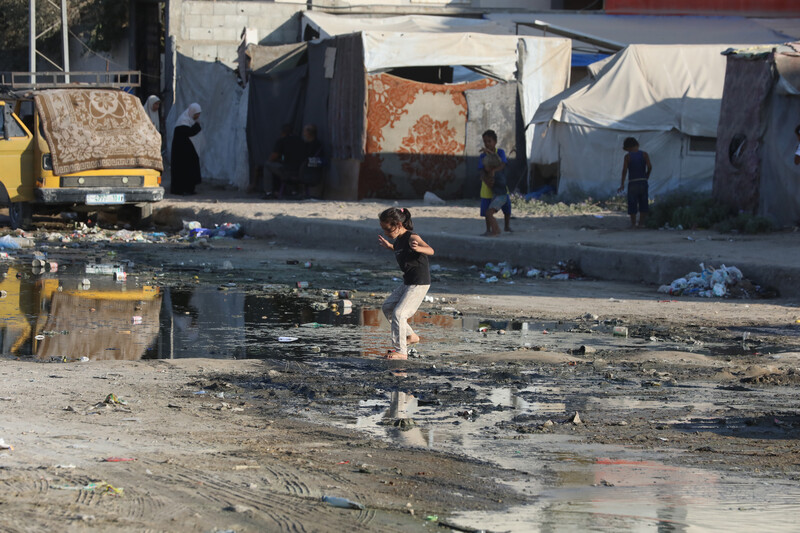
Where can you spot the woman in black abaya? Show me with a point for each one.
(185, 162)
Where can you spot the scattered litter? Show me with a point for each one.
(118, 459)
(7, 242)
(287, 339)
(562, 271)
(723, 282)
(344, 503)
(430, 198)
(620, 331)
(4, 446)
(112, 399)
(100, 486)
(67, 467)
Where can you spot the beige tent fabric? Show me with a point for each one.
(88, 129)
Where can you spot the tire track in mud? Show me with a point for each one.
(284, 498)
(47, 499)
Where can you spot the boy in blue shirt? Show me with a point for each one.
(637, 167)
(497, 161)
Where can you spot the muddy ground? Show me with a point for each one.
(687, 423)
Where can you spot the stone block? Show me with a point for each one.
(200, 34)
(226, 33)
(197, 8)
(205, 52)
(235, 21)
(226, 8)
(192, 21)
(228, 54)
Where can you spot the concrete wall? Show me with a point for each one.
(211, 31)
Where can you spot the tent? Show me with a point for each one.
(653, 29)
(324, 25)
(392, 137)
(668, 97)
(755, 172)
(221, 145)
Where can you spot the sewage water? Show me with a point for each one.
(575, 486)
(572, 486)
(88, 310)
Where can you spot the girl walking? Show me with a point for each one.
(412, 254)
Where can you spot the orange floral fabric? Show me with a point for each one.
(415, 137)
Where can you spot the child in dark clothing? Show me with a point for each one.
(637, 167)
(492, 166)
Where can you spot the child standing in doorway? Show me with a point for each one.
(637, 167)
(492, 162)
(412, 254)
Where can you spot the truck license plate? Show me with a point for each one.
(105, 199)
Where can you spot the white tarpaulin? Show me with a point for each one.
(493, 55)
(329, 25)
(222, 144)
(661, 94)
(543, 72)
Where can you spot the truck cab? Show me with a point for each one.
(102, 174)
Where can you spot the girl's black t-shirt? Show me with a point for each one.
(415, 267)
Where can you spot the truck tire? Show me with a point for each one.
(21, 214)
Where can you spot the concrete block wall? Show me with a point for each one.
(210, 31)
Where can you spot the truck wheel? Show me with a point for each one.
(21, 214)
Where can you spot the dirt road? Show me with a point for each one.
(688, 422)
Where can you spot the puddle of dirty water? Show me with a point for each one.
(76, 312)
(572, 485)
(97, 311)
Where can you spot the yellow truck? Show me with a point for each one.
(77, 148)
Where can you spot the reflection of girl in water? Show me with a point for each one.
(399, 407)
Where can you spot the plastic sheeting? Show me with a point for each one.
(329, 25)
(659, 94)
(493, 55)
(223, 147)
(755, 170)
(592, 164)
(544, 72)
(779, 195)
(275, 99)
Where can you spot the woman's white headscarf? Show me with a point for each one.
(186, 118)
(153, 113)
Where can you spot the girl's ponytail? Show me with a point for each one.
(397, 216)
(407, 219)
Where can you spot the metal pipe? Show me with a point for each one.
(32, 40)
(545, 27)
(65, 38)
